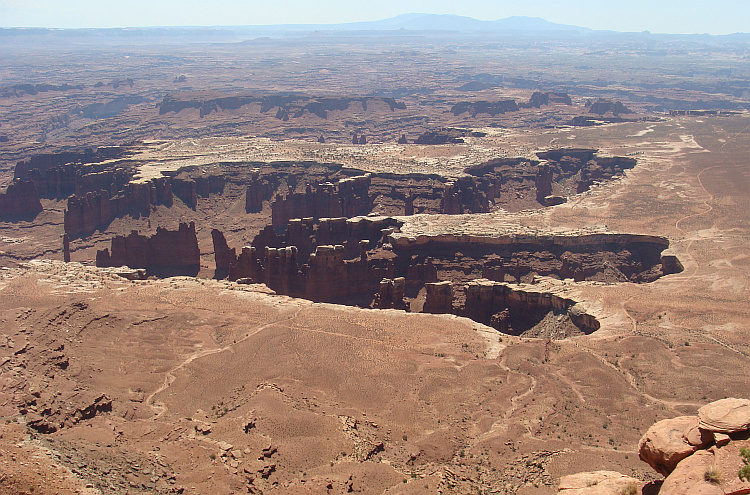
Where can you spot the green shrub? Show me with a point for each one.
(744, 472)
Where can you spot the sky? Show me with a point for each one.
(657, 16)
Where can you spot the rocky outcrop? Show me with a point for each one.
(186, 190)
(21, 89)
(561, 169)
(725, 416)
(96, 210)
(347, 197)
(47, 161)
(669, 441)
(438, 297)
(491, 108)
(602, 107)
(463, 196)
(597, 257)
(222, 254)
(602, 169)
(287, 106)
(537, 100)
(525, 305)
(258, 190)
(543, 182)
(20, 201)
(170, 252)
(543, 98)
(66, 248)
(391, 294)
(704, 454)
(349, 260)
(445, 136)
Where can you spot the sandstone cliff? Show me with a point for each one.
(20, 201)
(95, 210)
(172, 252)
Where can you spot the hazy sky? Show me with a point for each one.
(665, 16)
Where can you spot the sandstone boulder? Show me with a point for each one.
(597, 483)
(709, 472)
(689, 478)
(725, 415)
(666, 443)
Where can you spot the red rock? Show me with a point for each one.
(222, 254)
(348, 197)
(665, 444)
(689, 477)
(172, 252)
(725, 415)
(95, 210)
(20, 200)
(66, 248)
(438, 298)
(543, 182)
(719, 463)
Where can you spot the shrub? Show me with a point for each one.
(744, 472)
(712, 475)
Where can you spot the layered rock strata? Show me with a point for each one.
(173, 252)
(20, 201)
(94, 210)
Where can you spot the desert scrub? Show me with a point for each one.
(630, 489)
(744, 472)
(712, 475)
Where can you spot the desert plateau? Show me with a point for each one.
(382, 260)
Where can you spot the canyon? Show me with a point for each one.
(237, 261)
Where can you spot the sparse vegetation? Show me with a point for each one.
(712, 475)
(630, 489)
(744, 472)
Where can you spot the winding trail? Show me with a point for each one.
(169, 378)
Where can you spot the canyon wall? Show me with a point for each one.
(20, 201)
(96, 210)
(167, 252)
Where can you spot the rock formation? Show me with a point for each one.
(602, 106)
(288, 106)
(222, 254)
(20, 200)
(56, 174)
(537, 100)
(463, 196)
(515, 309)
(66, 248)
(543, 182)
(438, 297)
(445, 136)
(491, 108)
(391, 294)
(704, 454)
(543, 98)
(365, 261)
(255, 194)
(348, 197)
(170, 252)
(94, 210)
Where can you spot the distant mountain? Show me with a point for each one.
(449, 22)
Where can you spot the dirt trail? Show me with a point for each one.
(159, 409)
